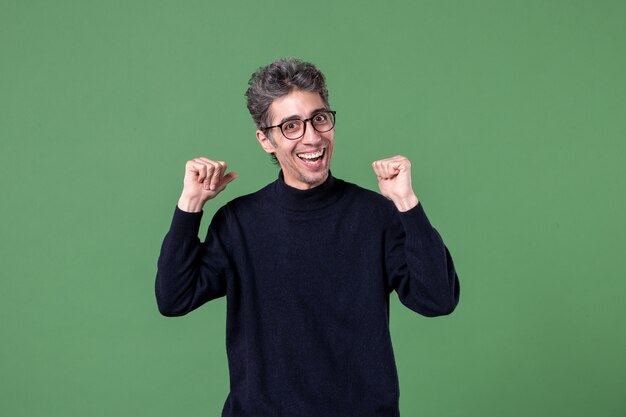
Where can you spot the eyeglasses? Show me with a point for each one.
(322, 121)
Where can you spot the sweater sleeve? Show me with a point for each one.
(420, 268)
(190, 273)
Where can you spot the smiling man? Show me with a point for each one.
(307, 263)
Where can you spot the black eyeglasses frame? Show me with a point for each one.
(310, 119)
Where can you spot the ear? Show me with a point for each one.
(266, 143)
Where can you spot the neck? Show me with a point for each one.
(313, 198)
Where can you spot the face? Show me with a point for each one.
(305, 162)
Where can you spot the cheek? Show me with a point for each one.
(285, 152)
(331, 143)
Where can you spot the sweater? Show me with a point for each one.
(307, 275)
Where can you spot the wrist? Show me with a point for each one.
(190, 205)
(405, 203)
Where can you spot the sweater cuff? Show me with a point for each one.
(185, 224)
(415, 218)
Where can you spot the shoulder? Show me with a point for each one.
(240, 211)
(365, 196)
(252, 202)
(367, 203)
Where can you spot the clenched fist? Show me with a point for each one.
(394, 181)
(204, 179)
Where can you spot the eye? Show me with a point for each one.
(291, 125)
(320, 118)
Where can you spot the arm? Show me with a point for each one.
(191, 273)
(419, 265)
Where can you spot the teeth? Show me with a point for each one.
(311, 155)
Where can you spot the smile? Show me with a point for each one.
(312, 157)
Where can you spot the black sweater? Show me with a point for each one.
(307, 275)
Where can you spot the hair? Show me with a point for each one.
(278, 79)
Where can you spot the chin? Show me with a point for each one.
(316, 179)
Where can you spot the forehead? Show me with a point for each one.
(296, 103)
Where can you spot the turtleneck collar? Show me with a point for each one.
(305, 200)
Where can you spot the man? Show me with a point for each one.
(307, 263)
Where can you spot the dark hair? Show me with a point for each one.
(279, 79)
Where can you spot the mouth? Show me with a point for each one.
(312, 158)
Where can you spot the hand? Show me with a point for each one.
(394, 181)
(204, 179)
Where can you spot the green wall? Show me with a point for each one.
(513, 114)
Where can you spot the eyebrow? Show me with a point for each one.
(297, 117)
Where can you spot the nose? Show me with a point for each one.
(310, 134)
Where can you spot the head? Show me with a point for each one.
(284, 90)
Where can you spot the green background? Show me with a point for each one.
(512, 113)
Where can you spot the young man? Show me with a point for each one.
(307, 263)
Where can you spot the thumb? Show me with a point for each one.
(228, 178)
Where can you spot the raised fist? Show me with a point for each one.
(394, 181)
(204, 179)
